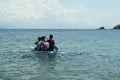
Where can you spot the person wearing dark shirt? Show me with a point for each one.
(51, 42)
(37, 43)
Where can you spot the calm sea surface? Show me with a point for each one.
(83, 55)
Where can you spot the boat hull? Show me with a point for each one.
(50, 54)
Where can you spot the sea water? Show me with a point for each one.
(83, 55)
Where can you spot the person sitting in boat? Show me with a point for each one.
(44, 44)
(51, 42)
(37, 43)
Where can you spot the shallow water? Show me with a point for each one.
(83, 55)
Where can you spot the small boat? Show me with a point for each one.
(50, 54)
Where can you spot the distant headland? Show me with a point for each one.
(101, 27)
(115, 27)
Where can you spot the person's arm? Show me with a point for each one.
(53, 41)
(36, 43)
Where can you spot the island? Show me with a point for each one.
(117, 27)
(101, 27)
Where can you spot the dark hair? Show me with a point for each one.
(51, 36)
(39, 38)
(42, 38)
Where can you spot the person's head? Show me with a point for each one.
(51, 36)
(39, 38)
(43, 38)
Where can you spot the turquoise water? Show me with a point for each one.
(83, 55)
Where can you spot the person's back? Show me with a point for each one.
(51, 43)
(44, 45)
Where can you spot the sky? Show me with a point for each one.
(59, 14)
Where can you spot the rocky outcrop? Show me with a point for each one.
(101, 28)
(117, 27)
